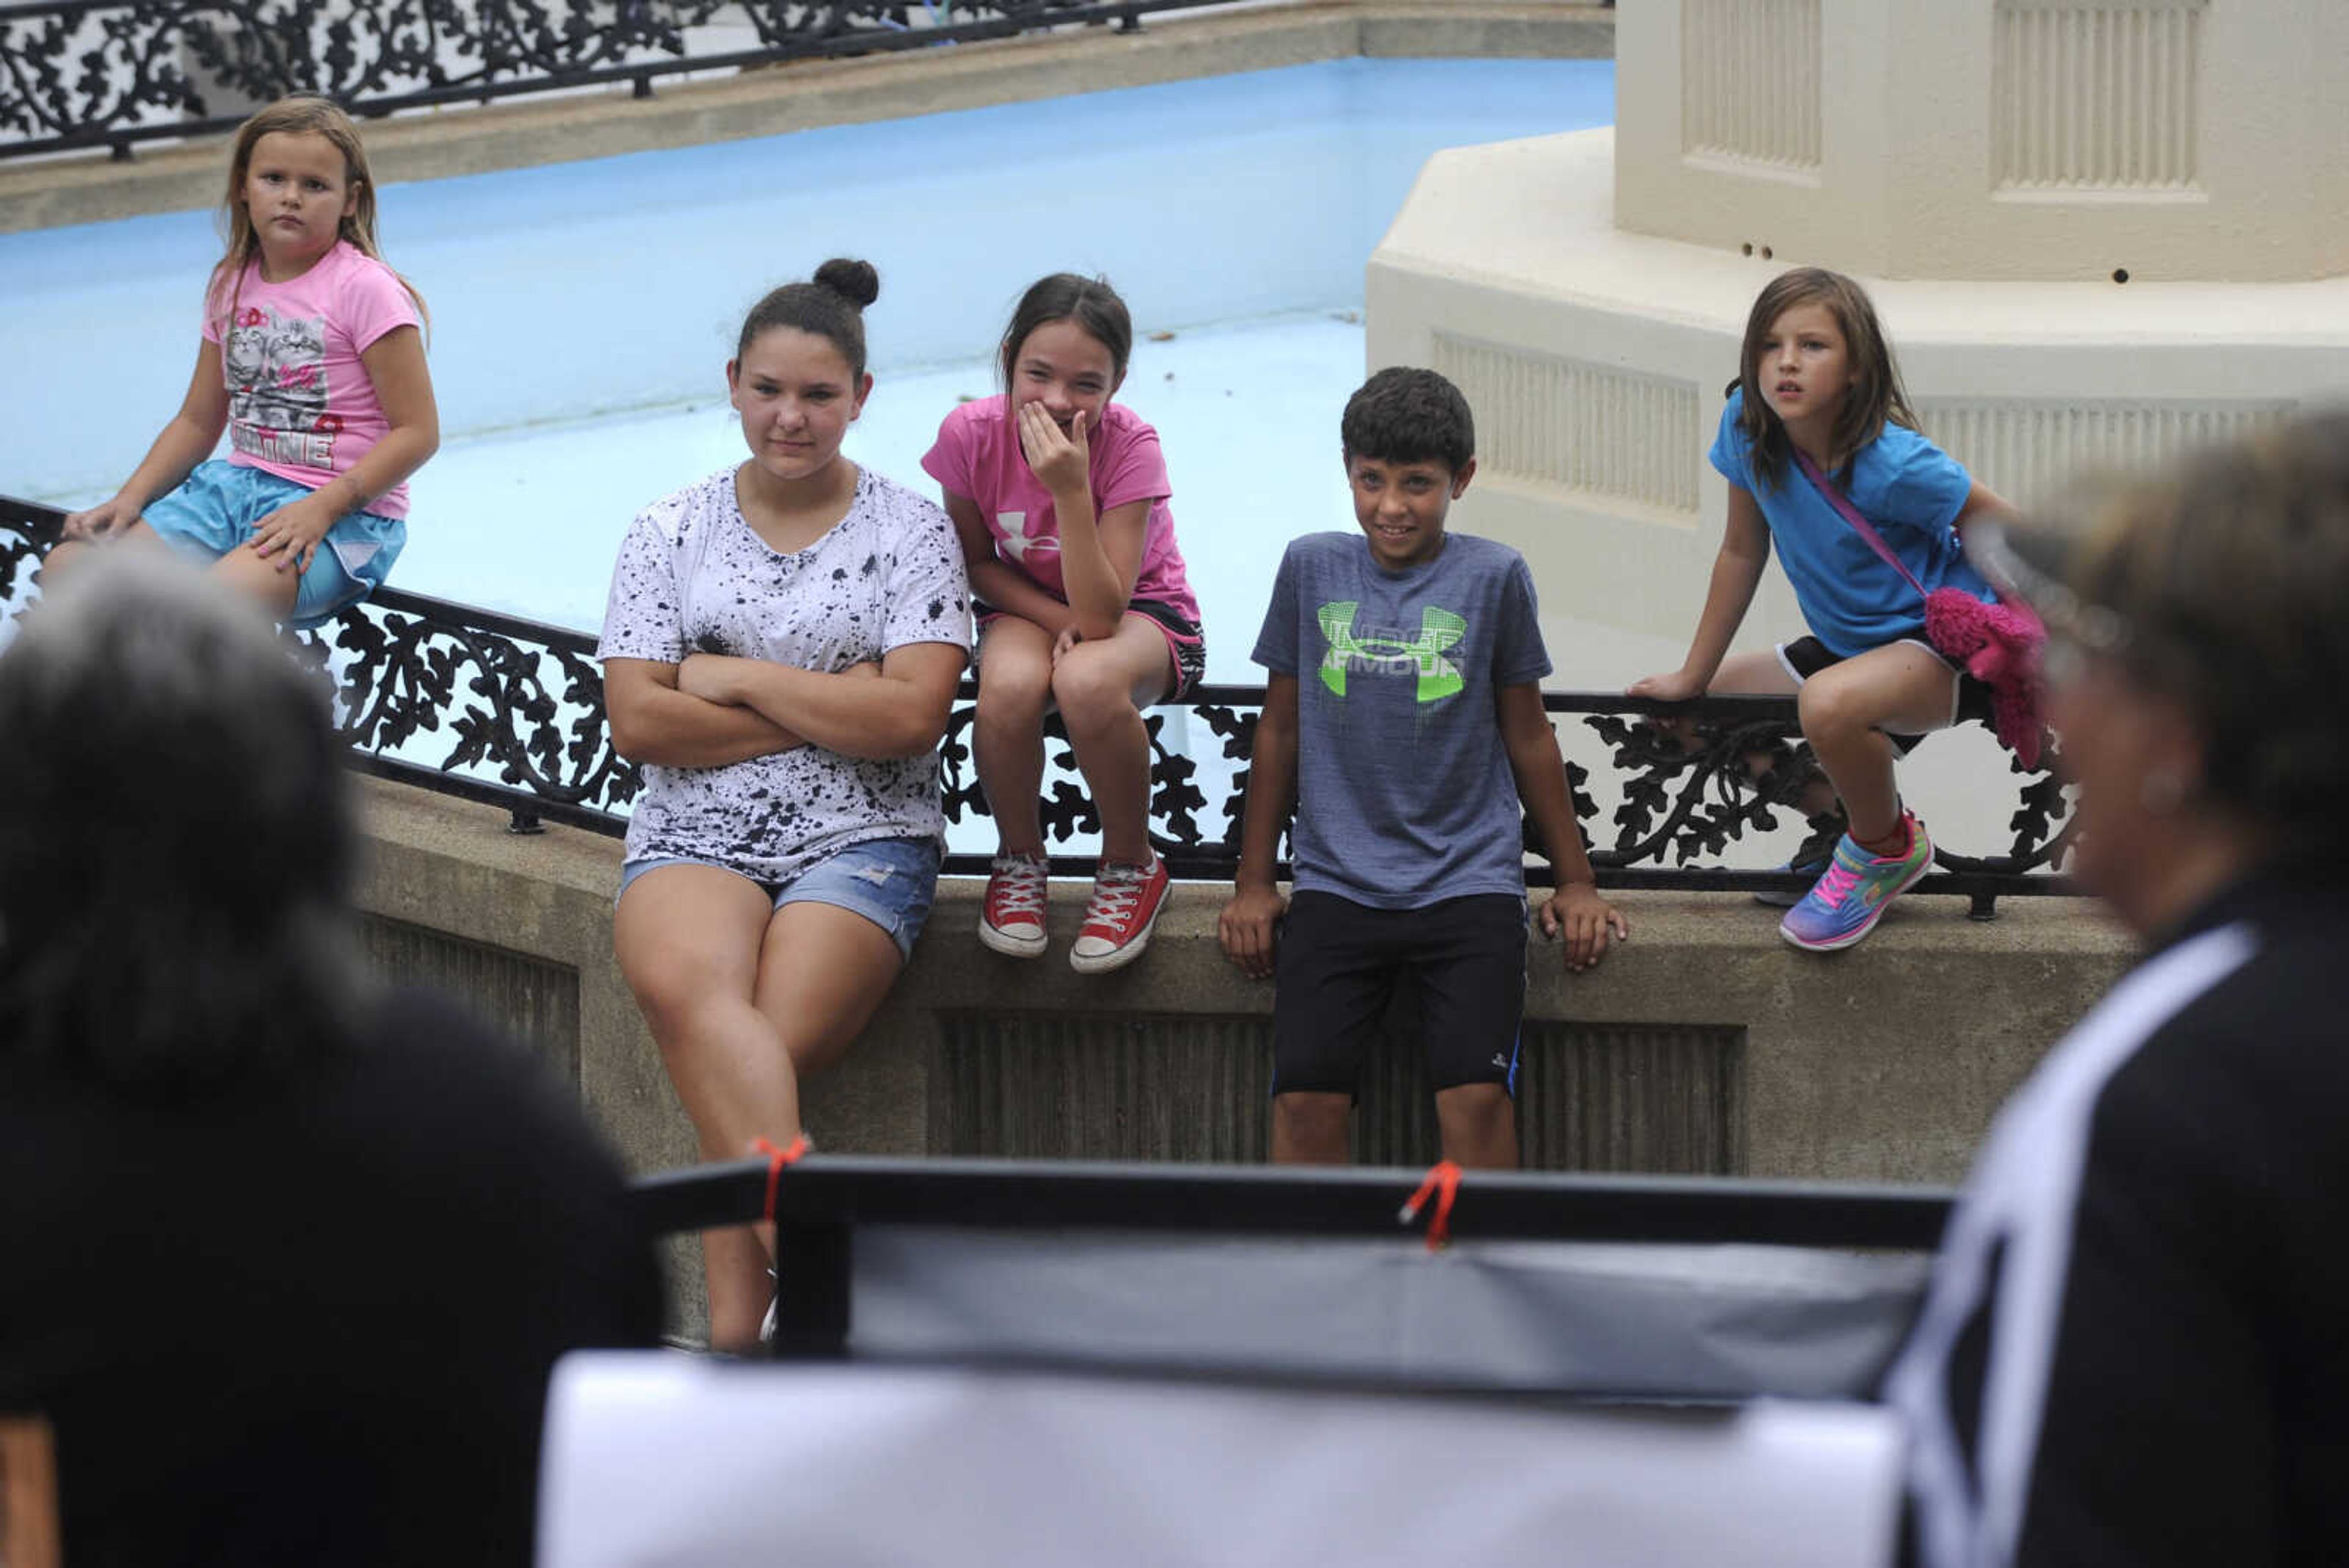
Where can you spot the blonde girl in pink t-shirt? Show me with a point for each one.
(1060, 497)
(312, 360)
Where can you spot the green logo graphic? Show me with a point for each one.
(1383, 653)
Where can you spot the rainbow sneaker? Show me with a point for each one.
(1810, 860)
(1845, 903)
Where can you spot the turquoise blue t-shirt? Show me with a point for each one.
(1911, 489)
(1404, 794)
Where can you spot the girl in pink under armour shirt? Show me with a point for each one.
(1060, 497)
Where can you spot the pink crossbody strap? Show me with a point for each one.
(1851, 514)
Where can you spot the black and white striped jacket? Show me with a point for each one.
(2136, 1346)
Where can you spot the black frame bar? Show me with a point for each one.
(821, 1199)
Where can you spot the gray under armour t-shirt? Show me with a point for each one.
(1404, 794)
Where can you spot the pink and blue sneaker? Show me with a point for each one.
(1845, 904)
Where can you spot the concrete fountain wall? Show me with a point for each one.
(2099, 231)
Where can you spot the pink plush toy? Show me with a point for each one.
(1999, 645)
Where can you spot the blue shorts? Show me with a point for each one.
(215, 510)
(889, 881)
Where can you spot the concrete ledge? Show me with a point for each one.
(1705, 1044)
(767, 101)
(1881, 1064)
(444, 865)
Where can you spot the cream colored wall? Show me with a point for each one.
(1993, 139)
(1596, 360)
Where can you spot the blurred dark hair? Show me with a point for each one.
(2224, 582)
(1407, 415)
(832, 306)
(1090, 302)
(175, 846)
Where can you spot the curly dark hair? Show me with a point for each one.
(1406, 415)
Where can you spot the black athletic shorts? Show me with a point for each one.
(1338, 963)
(1807, 655)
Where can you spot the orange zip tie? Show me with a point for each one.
(1443, 1180)
(776, 1159)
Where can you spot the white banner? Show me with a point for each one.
(667, 1459)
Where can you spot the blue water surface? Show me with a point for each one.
(616, 284)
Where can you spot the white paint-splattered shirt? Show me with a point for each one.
(694, 578)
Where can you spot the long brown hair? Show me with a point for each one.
(294, 115)
(1874, 399)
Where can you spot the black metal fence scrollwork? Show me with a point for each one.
(113, 73)
(509, 712)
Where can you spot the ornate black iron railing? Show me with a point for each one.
(511, 711)
(113, 73)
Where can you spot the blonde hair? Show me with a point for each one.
(1875, 399)
(294, 117)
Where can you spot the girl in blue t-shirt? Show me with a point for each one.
(1818, 418)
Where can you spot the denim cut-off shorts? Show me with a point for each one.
(214, 511)
(889, 881)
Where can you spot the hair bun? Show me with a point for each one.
(854, 281)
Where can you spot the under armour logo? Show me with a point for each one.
(1391, 653)
(1018, 543)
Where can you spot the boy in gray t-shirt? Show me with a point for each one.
(1402, 717)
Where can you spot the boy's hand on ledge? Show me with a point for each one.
(1584, 921)
(1246, 926)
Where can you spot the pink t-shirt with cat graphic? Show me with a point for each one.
(978, 455)
(300, 402)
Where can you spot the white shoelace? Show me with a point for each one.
(1115, 892)
(1020, 886)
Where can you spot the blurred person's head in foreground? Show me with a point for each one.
(2198, 664)
(175, 838)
